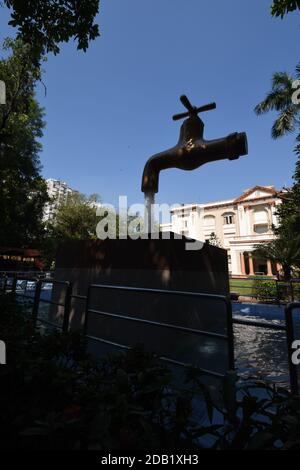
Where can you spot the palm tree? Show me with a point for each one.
(280, 99)
(282, 7)
(284, 250)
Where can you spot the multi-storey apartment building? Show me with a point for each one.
(238, 224)
(58, 191)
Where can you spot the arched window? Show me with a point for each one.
(209, 221)
(228, 218)
(260, 215)
(260, 220)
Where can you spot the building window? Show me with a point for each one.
(260, 215)
(228, 219)
(261, 220)
(209, 221)
(261, 228)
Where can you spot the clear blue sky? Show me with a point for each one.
(108, 110)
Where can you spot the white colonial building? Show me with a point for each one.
(238, 225)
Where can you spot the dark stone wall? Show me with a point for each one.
(158, 264)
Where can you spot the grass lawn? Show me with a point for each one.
(241, 286)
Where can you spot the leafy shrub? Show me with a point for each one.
(54, 396)
(264, 290)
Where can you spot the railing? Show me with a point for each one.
(223, 299)
(290, 335)
(27, 274)
(288, 328)
(37, 299)
(282, 292)
(255, 237)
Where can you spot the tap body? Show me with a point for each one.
(192, 151)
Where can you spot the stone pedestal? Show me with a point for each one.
(156, 264)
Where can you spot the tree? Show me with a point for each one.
(78, 218)
(282, 7)
(214, 240)
(280, 100)
(74, 219)
(289, 211)
(46, 23)
(22, 189)
(284, 250)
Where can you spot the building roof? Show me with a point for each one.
(270, 190)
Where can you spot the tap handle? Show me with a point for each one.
(186, 103)
(176, 117)
(192, 110)
(206, 107)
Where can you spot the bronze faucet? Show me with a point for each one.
(192, 149)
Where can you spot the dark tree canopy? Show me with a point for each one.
(282, 7)
(289, 210)
(46, 23)
(22, 189)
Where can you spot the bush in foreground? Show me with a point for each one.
(54, 396)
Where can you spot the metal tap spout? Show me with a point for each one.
(192, 150)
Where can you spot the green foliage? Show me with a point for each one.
(214, 240)
(282, 7)
(289, 211)
(264, 290)
(285, 249)
(289, 216)
(45, 24)
(267, 417)
(75, 218)
(280, 99)
(22, 189)
(54, 396)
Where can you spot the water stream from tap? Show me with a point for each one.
(149, 211)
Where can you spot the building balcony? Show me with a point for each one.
(256, 238)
